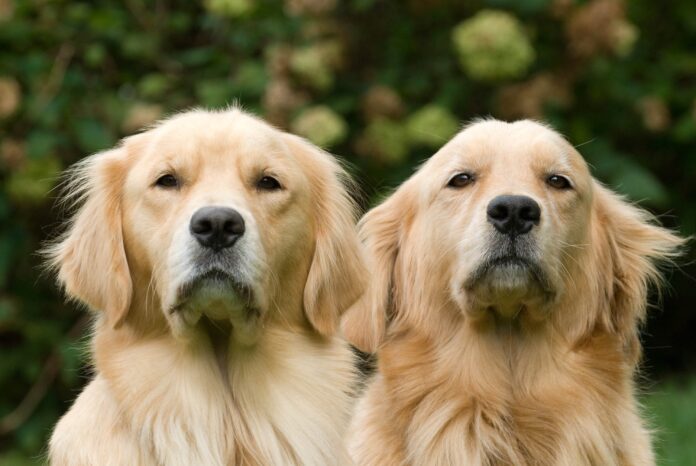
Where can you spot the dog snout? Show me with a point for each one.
(513, 215)
(217, 227)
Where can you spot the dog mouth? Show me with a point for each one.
(213, 291)
(511, 268)
(507, 287)
(509, 264)
(215, 302)
(510, 281)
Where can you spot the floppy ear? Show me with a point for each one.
(337, 273)
(365, 323)
(636, 246)
(89, 257)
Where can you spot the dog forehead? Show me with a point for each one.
(200, 140)
(212, 131)
(516, 145)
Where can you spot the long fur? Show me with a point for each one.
(160, 399)
(452, 390)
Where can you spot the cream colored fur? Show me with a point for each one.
(277, 389)
(459, 381)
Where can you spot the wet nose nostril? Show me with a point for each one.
(530, 213)
(234, 227)
(216, 227)
(514, 215)
(498, 211)
(202, 226)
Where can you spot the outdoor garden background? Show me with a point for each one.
(381, 83)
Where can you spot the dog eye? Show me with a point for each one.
(460, 180)
(167, 181)
(558, 182)
(268, 183)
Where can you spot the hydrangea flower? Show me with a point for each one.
(321, 125)
(432, 126)
(385, 139)
(230, 8)
(492, 45)
(314, 64)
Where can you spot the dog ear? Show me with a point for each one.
(634, 246)
(337, 274)
(89, 257)
(365, 323)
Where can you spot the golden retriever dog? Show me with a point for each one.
(219, 253)
(507, 291)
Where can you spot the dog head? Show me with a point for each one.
(506, 221)
(211, 214)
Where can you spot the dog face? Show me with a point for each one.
(504, 221)
(212, 218)
(512, 204)
(215, 215)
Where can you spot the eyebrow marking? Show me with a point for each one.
(562, 165)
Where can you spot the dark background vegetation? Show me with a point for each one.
(381, 83)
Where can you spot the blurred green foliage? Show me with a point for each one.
(382, 83)
(671, 408)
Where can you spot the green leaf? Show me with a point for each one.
(640, 185)
(153, 85)
(624, 174)
(41, 144)
(34, 180)
(215, 93)
(251, 79)
(93, 136)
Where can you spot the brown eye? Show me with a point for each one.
(460, 180)
(558, 182)
(268, 183)
(167, 181)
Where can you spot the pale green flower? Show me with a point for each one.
(387, 140)
(431, 126)
(230, 8)
(321, 125)
(625, 37)
(492, 45)
(32, 182)
(314, 64)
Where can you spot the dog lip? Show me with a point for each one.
(510, 259)
(215, 275)
(506, 259)
(491, 263)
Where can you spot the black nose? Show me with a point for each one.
(216, 227)
(514, 215)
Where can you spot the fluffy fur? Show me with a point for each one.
(482, 364)
(216, 376)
